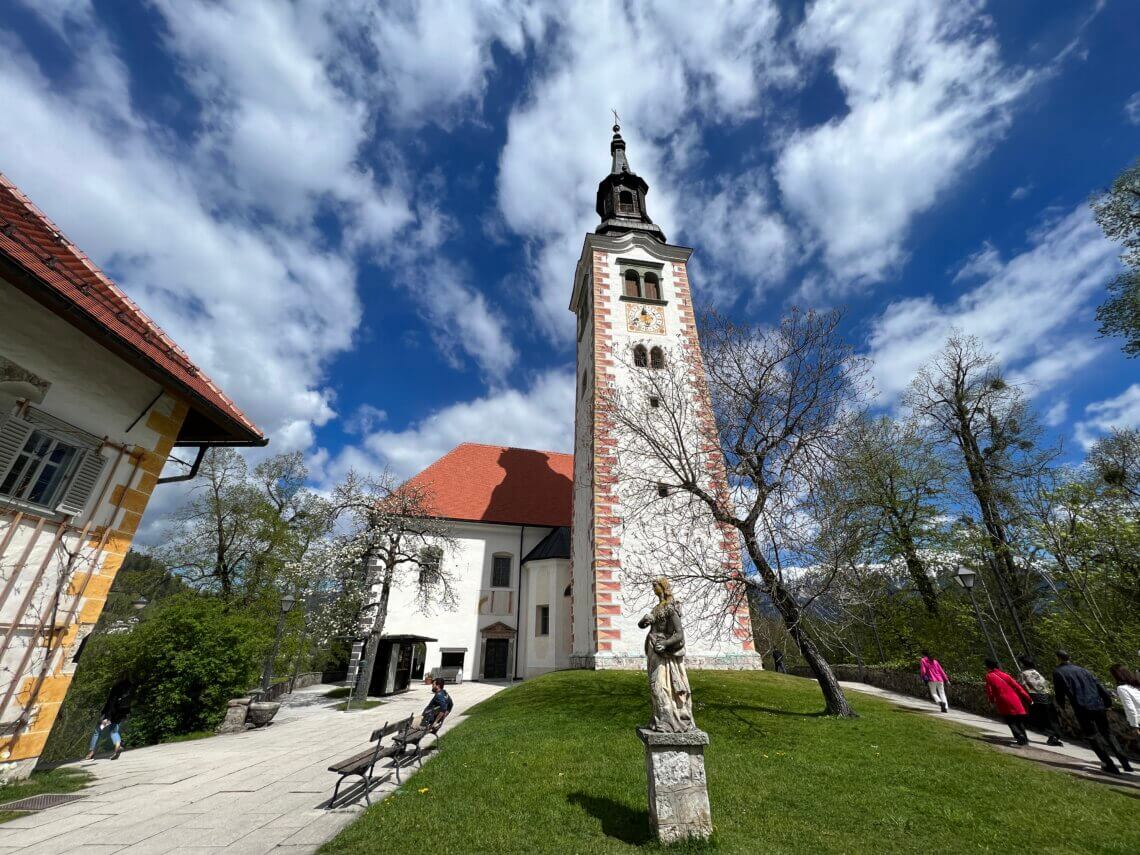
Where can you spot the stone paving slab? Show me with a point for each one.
(250, 793)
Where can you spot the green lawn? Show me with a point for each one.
(65, 780)
(553, 765)
(357, 705)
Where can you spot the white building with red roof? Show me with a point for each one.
(93, 398)
(552, 565)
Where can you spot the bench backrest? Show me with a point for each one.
(391, 727)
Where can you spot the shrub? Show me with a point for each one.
(188, 659)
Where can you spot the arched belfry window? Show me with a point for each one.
(652, 287)
(657, 358)
(632, 284)
(625, 202)
(641, 356)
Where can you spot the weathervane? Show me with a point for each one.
(617, 119)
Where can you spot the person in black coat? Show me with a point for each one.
(115, 710)
(1091, 702)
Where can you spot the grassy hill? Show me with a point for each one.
(554, 765)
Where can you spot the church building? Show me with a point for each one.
(543, 552)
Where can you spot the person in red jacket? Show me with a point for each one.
(1009, 699)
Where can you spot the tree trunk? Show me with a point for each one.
(372, 647)
(916, 569)
(834, 699)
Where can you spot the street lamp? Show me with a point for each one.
(966, 577)
(139, 603)
(267, 674)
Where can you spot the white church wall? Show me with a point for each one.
(469, 563)
(544, 584)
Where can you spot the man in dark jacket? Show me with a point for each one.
(1091, 702)
(117, 708)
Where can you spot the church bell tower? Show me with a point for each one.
(635, 313)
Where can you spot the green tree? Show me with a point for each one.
(890, 476)
(1118, 214)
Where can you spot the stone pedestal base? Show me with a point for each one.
(236, 712)
(678, 793)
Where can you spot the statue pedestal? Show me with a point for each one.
(678, 795)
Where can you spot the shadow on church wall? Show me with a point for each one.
(531, 492)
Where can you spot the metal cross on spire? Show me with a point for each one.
(617, 119)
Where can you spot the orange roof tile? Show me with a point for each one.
(497, 484)
(58, 274)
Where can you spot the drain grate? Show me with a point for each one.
(42, 802)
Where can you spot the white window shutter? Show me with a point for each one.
(14, 433)
(83, 483)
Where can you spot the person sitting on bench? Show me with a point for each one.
(438, 708)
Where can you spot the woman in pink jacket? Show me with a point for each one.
(935, 678)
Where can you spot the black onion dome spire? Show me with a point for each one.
(621, 197)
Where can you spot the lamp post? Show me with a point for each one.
(965, 577)
(267, 674)
(139, 603)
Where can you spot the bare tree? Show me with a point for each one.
(779, 397)
(966, 404)
(401, 542)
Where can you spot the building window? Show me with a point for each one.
(652, 287)
(451, 659)
(40, 470)
(657, 358)
(625, 202)
(501, 571)
(654, 401)
(663, 491)
(430, 559)
(640, 356)
(542, 620)
(632, 284)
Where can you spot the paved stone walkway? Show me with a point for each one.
(245, 794)
(1072, 757)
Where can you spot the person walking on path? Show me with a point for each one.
(1128, 690)
(1009, 699)
(930, 669)
(1043, 713)
(1090, 701)
(115, 710)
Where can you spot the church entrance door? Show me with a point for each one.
(495, 661)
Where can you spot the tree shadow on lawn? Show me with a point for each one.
(618, 820)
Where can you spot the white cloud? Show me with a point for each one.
(1033, 311)
(1021, 191)
(1057, 413)
(662, 67)
(738, 229)
(1120, 412)
(364, 419)
(1132, 109)
(927, 95)
(541, 417)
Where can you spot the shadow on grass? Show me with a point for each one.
(618, 820)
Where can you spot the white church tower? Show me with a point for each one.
(635, 311)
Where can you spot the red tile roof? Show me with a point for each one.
(496, 484)
(58, 274)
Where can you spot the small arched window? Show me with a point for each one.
(652, 287)
(640, 356)
(657, 358)
(632, 284)
(625, 202)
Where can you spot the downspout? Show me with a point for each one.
(518, 615)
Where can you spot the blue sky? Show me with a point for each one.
(361, 219)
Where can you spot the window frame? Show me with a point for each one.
(509, 556)
(541, 620)
(37, 462)
(640, 356)
(656, 358)
(88, 462)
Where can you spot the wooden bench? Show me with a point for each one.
(363, 765)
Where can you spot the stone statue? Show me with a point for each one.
(665, 652)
